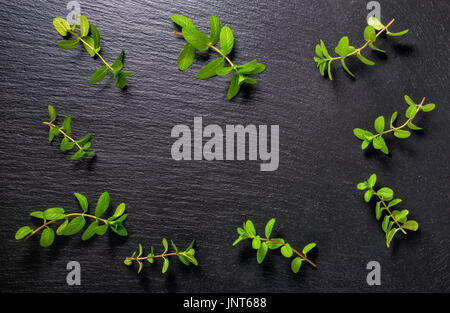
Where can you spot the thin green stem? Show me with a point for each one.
(65, 135)
(389, 211)
(46, 223)
(164, 255)
(293, 250)
(419, 106)
(365, 45)
(90, 47)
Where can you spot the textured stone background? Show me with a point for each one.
(312, 194)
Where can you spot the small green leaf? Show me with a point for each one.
(413, 127)
(226, 40)
(166, 246)
(269, 227)
(295, 264)
(403, 32)
(118, 62)
(342, 47)
(234, 87)
(47, 237)
(370, 33)
(214, 24)
(89, 45)
(61, 26)
(52, 113)
(361, 133)
(140, 266)
(119, 229)
(428, 107)
(95, 36)
(101, 230)
(378, 210)
(399, 133)
(308, 247)
(394, 202)
(196, 38)
(102, 204)
(409, 101)
(224, 71)
(390, 236)
(22, 232)
(411, 225)
(174, 246)
(37, 214)
(393, 118)
(186, 57)
(84, 26)
(368, 195)
(182, 21)
(372, 46)
(209, 70)
(372, 180)
(379, 124)
(60, 230)
(318, 51)
(77, 155)
(191, 259)
(262, 251)
(256, 243)
(68, 44)
(375, 23)
(364, 60)
(239, 239)
(74, 226)
(90, 231)
(66, 124)
(127, 262)
(165, 265)
(362, 186)
(99, 75)
(250, 228)
(386, 193)
(275, 243)
(54, 214)
(119, 211)
(286, 251)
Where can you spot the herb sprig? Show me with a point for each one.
(377, 139)
(394, 220)
(262, 244)
(92, 45)
(74, 222)
(68, 143)
(197, 40)
(186, 257)
(372, 31)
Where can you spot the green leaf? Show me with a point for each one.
(379, 124)
(140, 251)
(224, 71)
(361, 133)
(61, 26)
(370, 33)
(121, 79)
(102, 204)
(295, 264)
(239, 239)
(174, 246)
(413, 127)
(54, 214)
(38, 214)
(22, 232)
(362, 186)
(394, 202)
(140, 266)
(378, 210)
(68, 44)
(74, 226)
(269, 227)
(47, 237)
(196, 38)
(99, 74)
(127, 262)
(84, 140)
(411, 225)
(261, 254)
(186, 57)
(166, 246)
(84, 26)
(365, 144)
(318, 51)
(275, 245)
(368, 195)
(409, 101)
(52, 113)
(66, 124)
(191, 259)
(324, 49)
(329, 70)
(346, 68)
(386, 193)
(165, 265)
(385, 223)
(411, 112)
(90, 231)
(256, 243)
(375, 23)
(89, 44)
(60, 230)
(250, 228)
(119, 211)
(226, 40)
(118, 62)
(182, 21)
(66, 144)
(96, 36)
(372, 180)
(214, 32)
(119, 229)
(393, 118)
(372, 46)
(286, 251)
(209, 70)
(308, 247)
(428, 107)
(77, 155)
(390, 236)
(364, 60)
(234, 87)
(399, 133)
(403, 32)
(101, 230)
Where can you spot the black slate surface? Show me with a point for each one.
(312, 194)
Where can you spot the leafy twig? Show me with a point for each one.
(344, 50)
(73, 226)
(377, 139)
(393, 221)
(261, 244)
(186, 257)
(197, 40)
(92, 46)
(68, 143)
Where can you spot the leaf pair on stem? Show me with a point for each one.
(68, 143)
(377, 139)
(262, 245)
(374, 29)
(394, 220)
(74, 222)
(186, 257)
(90, 37)
(197, 40)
